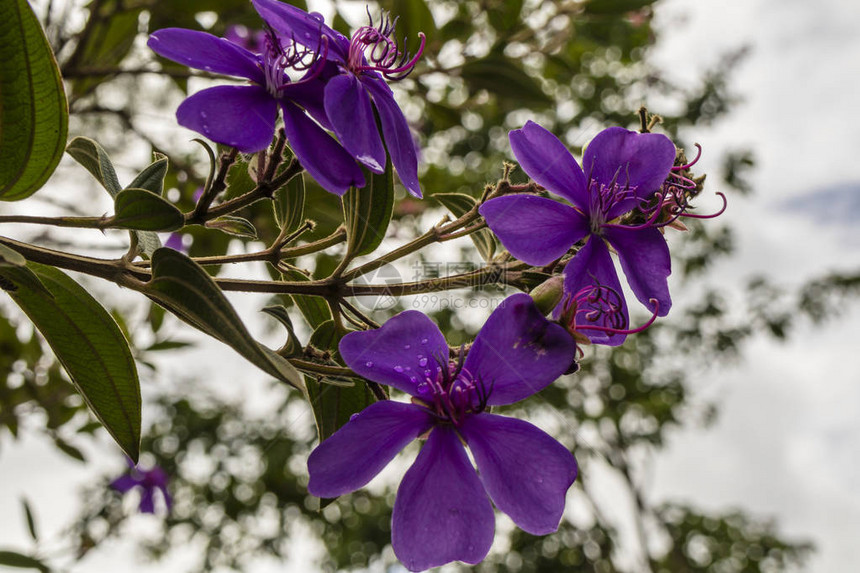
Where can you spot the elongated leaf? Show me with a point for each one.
(11, 257)
(31, 520)
(182, 286)
(292, 347)
(334, 404)
(367, 212)
(152, 178)
(21, 561)
(145, 211)
(89, 345)
(459, 204)
(34, 115)
(502, 77)
(96, 160)
(289, 204)
(233, 225)
(313, 308)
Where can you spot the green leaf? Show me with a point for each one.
(145, 211)
(31, 521)
(367, 212)
(289, 204)
(96, 160)
(11, 257)
(504, 15)
(292, 347)
(334, 404)
(239, 177)
(152, 178)
(89, 345)
(459, 204)
(21, 561)
(182, 286)
(502, 77)
(313, 308)
(34, 115)
(233, 225)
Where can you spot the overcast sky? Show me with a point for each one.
(786, 441)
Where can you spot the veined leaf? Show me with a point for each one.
(34, 115)
(289, 204)
(11, 257)
(367, 212)
(182, 286)
(459, 204)
(233, 225)
(152, 178)
(89, 345)
(21, 561)
(143, 210)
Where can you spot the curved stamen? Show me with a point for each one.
(375, 49)
(693, 162)
(717, 214)
(612, 330)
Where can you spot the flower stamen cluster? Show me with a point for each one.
(453, 393)
(374, 48)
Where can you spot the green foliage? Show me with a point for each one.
(459, 204)
(143, 210)
(367, 212)
(34, 117)
(89, 344)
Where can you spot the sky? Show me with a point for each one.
(786, 440)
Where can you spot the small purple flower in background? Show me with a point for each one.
(442, 512)
(174, 241)
(623, 171)
(244, 116)
(149, 481)
(352, 80)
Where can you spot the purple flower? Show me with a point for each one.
(149, 481)
(244, 116)
(442, 512)
(353, 79)
(623, 171)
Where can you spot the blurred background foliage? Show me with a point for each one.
(238, 478)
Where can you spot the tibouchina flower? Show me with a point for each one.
(148, 481)
(442, 512)
(353, 79)
(623, 171)
(244, 116)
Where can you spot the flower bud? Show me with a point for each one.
(548, 294)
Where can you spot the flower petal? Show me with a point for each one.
(147, 500)
(525, 470)
(593, 265)
(203, 51)
(546, 160)
(441, 513)
(643, 160)
(398, 138)
(536, 230)
(353, 455)
(323, 157)
(348, 108)
(240, 116)
(402, 353)
(518, 352)
(307, 29)
(645, 260)
(124, 483)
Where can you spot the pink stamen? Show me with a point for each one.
(611, 330)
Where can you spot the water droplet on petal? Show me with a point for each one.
(353, 417)
(423, 388)
(427, 372)
(204, 115)
(398, 368)
(368, 364)
(422, 362)
(423, 341)
(407, 347)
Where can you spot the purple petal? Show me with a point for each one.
(124, 483)
(402, 353)
(239, 116)
(323, 157)
(536, 230)
(526, 472)
(545, 159)
(310, 94)
(645, 260)
(203, 51)
(174, 241)
(643, 160)
(353, 455)
(398, 138)
(441, 513)
(307, 29)
(518, 352)
(348, 108)
(147, 501)
(593, 265)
